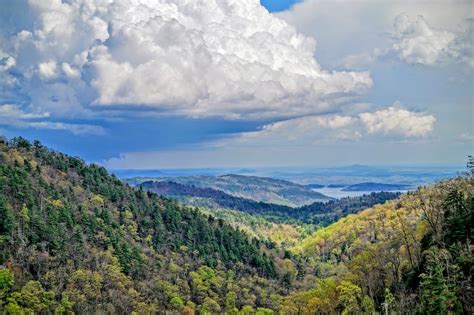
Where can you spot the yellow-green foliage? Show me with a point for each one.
(372, 251)
(260, 227)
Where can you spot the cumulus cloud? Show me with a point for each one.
(207, 58)
(398, 121)
(416, 42)
(429, 33)
(301, 131)
(306, 140)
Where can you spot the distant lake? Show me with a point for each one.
(338, 193)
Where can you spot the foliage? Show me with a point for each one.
(74, 239)
(77, 239)
(410, 254)
(317, 213)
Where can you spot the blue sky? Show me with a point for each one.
(228, 84)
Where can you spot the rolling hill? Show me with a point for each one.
(260, 189)
(318, 213)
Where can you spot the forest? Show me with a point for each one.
(317, 213)
(74, 239)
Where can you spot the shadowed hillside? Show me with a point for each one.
(260, 189)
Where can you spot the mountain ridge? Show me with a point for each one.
(260, 189)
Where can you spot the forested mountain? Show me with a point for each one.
(318, 213)
(75, 239)
(411, 255)
(260, 189)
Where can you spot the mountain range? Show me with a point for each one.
(260, 189)
(75, 239)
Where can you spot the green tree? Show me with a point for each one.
(350, 297)
(176, 302)
(6, 283)
(439, 293)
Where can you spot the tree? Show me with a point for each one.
(439, 292)
(177, 302)
(7, 220)
(6, 283)
(350, 297)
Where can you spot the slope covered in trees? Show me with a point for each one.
(318, 213)
(74, 238)
(259, 189)
(409, 255)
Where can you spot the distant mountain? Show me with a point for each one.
(376, 187)
(319, 213)
(213, 198)
(262, 189)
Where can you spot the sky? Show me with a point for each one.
(155, 84)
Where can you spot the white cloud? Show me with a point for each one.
(9, 111)
(360, 61)
(307, 140)
(430, 33)
(47, 70)
(416, 42)
(394, 122)
(208, 58)
(398, 121)
(300, 131)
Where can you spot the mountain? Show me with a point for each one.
(319, 213)
(262, 189)
(410, 255)
(213, 198)
(370, 186)
(73, 238)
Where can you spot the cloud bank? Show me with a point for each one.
(230, 58)
(300, 140)
(394, 122)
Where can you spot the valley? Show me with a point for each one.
(164, 246)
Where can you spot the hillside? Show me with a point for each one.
(411, 255)
(260, 189)
(73, 238)
(318, 213)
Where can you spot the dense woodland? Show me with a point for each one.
(263, 189)
(75, 239)
(317, 213)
